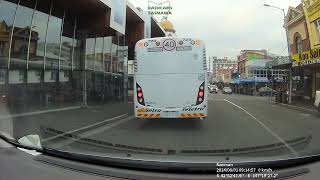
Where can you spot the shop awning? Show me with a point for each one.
(249, 81)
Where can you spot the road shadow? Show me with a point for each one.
(179, 124)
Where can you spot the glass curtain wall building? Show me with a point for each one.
(47, 60)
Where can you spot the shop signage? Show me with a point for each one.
(306, 58)
(252, 56)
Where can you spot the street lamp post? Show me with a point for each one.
(289, 50)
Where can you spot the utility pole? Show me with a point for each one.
(289, 50)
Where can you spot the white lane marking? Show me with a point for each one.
(216, 99)
(90, 133)
(266, 127)
(83, 128)
(39, 112)
(305, 114)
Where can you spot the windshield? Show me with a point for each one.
(139, 84)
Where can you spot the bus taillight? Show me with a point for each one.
(200, 97)
(140, 97)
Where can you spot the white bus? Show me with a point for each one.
(170, 78)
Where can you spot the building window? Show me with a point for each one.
(107, 53)
(317, 24)
(90, 44)
(67, 40)
(114, 53)
(99, 54)
(21, 33)
(7, 12)
(38, 36)
(53, 40)
(298, 43)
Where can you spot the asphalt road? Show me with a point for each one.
(237, 125)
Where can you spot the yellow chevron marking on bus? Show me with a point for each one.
(192, 115)
(148, 115)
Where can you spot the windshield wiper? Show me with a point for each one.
(6, 136)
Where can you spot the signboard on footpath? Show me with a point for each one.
(306, 58)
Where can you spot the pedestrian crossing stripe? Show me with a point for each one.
(148, 115)
(192, 115)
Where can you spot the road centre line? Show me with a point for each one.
(266, 127)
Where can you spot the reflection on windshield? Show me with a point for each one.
(176, 85)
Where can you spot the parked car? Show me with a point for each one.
(266, 91)
(213, 89)
(227, 90)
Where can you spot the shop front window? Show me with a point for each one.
(67, 42)
(90, 44)
(7, 12)
(20, 37)
(76, 54)
(107, 53)
(114, 53)
(317, 79)
(38, 37)
(53, 40)
(99, 54)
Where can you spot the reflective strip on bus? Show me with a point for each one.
(193, 115)
(148, 115)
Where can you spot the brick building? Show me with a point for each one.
(248, 55)
(299, 41)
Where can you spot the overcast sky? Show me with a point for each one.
(228, 26)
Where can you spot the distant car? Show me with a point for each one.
(266, 91)
(214, 89)
(227, 90)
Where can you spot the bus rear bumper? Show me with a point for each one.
(171, 114)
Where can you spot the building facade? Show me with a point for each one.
(248, 55)
(312, 14)
(224, 75)
(299, 41)
(303, 25)
(220, 64)
(66, 53)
